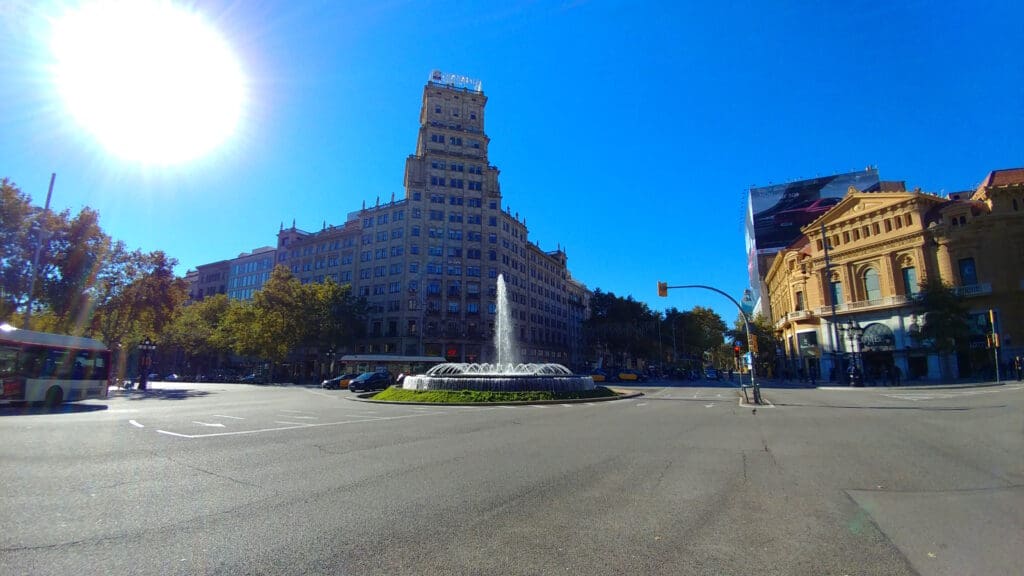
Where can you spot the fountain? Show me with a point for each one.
(507, 374)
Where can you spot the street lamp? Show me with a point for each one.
(145, 361)
(854, 333)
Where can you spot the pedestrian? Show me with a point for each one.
(885, 375)
(1018, 366)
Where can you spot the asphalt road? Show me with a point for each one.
(234, 479)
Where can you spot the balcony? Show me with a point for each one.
(973, 290)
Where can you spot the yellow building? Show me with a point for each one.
(881, 247)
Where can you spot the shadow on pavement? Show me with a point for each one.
(29, 410)
(159, 394)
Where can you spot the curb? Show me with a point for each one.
(368, 398)
(917, 386)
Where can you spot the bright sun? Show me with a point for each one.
(151, 80)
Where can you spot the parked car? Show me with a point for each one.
(338, 382)
(712, 374)
(172, 378)
(632, 376)
(251, 379)
(599, 376)
(370, 381)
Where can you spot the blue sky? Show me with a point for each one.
(628, 133)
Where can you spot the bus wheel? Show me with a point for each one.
(54, 396)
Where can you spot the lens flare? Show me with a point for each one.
(153, 82)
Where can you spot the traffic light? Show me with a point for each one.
(663, 289)
(736, 351)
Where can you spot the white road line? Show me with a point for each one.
(639, 404)
(566, 405)
(297, 426)
(297, 411)
(292, 423)
(214, 424)
(321, 393)
(136, 424)
(306, 417)
(712, 405)
(226, 416)
(538, 405)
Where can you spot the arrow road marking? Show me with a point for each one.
(215, 424)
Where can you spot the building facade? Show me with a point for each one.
(428, 263)
(248, 272)
(881, 246)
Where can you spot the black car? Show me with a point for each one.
(370, 381)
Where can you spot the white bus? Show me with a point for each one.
(51, 368)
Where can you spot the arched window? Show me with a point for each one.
(871, 288)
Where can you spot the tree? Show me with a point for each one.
(199, 330)
(16, 217)
(272, 324)
(621, 327)
(946, 325)
(135, 295)
(334, 316)
(768, 343)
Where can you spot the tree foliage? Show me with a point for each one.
(945, 317)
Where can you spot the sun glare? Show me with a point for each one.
(154, 82)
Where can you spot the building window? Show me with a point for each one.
(871, 286)
(836, 291)
(799, 301)
(908, 220)
(888, 225)
(968, 272)
(910, 286)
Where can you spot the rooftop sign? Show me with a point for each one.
(456, 80)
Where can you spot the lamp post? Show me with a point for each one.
(663, 289)
(854, 333)
(145, 361)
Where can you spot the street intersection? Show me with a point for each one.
(237, 479)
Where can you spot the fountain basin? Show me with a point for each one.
(500, 378)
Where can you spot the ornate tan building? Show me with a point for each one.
(881, 247)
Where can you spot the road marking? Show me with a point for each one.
(215, 424)
(226, 416)
(136, 424)
(639, 404)
(321, 393)
(297, 426)
(297, 411)
(175, 434)
(538, 405)
(712, 405)
(305, 417)
(292, 423)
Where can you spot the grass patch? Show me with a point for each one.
(394, 394)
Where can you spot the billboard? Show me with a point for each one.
(776, 213)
